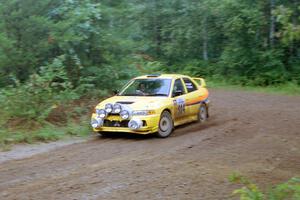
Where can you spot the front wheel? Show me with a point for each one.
(165, 126)
(203, 113)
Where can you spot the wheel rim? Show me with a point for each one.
(164, 124)
(202, 113)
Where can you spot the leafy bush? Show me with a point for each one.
(36, 98)
(289, 190)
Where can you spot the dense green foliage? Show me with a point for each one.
(250, 191)
(247, 42)
(56, 51)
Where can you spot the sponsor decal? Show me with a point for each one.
(198, 100)
(180, 102)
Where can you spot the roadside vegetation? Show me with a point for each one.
(59, 57)
(289, 88)
(250, 191)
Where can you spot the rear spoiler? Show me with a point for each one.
(200, 81)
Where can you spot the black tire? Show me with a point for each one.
(203, 113)
(165, 125)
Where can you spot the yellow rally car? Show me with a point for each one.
(153, 104)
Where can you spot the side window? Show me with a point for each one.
(190, 86)
(178, 88)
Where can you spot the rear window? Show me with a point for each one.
(190, 86)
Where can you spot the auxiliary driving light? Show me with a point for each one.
(101, 113)
(109, 108)
(135, 124)
(124, 114)
(96, 123)
(117, 108)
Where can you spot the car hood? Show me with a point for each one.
(136, 102)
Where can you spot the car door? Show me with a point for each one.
(192, 97)
(179, 100)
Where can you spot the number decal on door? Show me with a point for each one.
(180, 106)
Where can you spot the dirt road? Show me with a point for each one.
(255, 134)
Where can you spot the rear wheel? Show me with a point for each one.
(203, 113)
(165, 126)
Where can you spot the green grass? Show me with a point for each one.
(49, 133)
(284, 89)
(250, 191)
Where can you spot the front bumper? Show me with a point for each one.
(116, 124)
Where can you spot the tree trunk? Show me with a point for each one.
(272, 24)
(205, 39)
(158, 38)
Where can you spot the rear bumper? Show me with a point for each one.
(151, 125)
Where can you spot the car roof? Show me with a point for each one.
(170, 76)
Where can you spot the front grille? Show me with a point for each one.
(113, 123)
(108, 123)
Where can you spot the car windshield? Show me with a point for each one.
(147, 87)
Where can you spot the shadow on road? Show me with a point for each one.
(124, 135)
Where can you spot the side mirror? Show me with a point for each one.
(177, 93)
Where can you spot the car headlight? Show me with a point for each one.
(124, 114)
(109, 108)
(143, 112)
(96, 123)
(117, 108)
(101, 113)
(135, 124)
